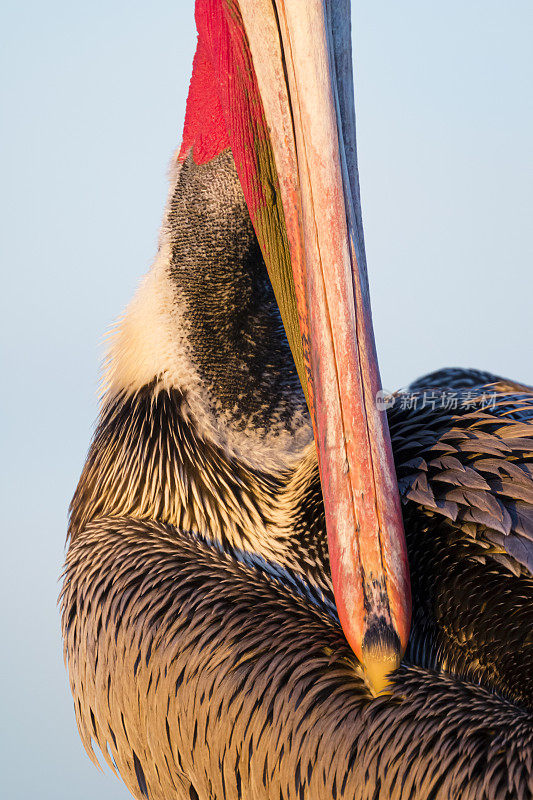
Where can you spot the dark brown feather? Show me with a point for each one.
(202, 669)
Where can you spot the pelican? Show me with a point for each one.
(280, 582)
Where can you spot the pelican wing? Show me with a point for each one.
(466, 454)
(466, 480)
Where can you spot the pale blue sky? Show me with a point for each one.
(93, 98)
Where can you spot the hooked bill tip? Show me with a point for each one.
(382, 655)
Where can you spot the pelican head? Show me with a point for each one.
(273, 81)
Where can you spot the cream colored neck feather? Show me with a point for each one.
(152, 343)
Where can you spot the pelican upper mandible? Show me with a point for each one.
(252, 526)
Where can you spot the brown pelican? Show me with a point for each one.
(235, 599)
